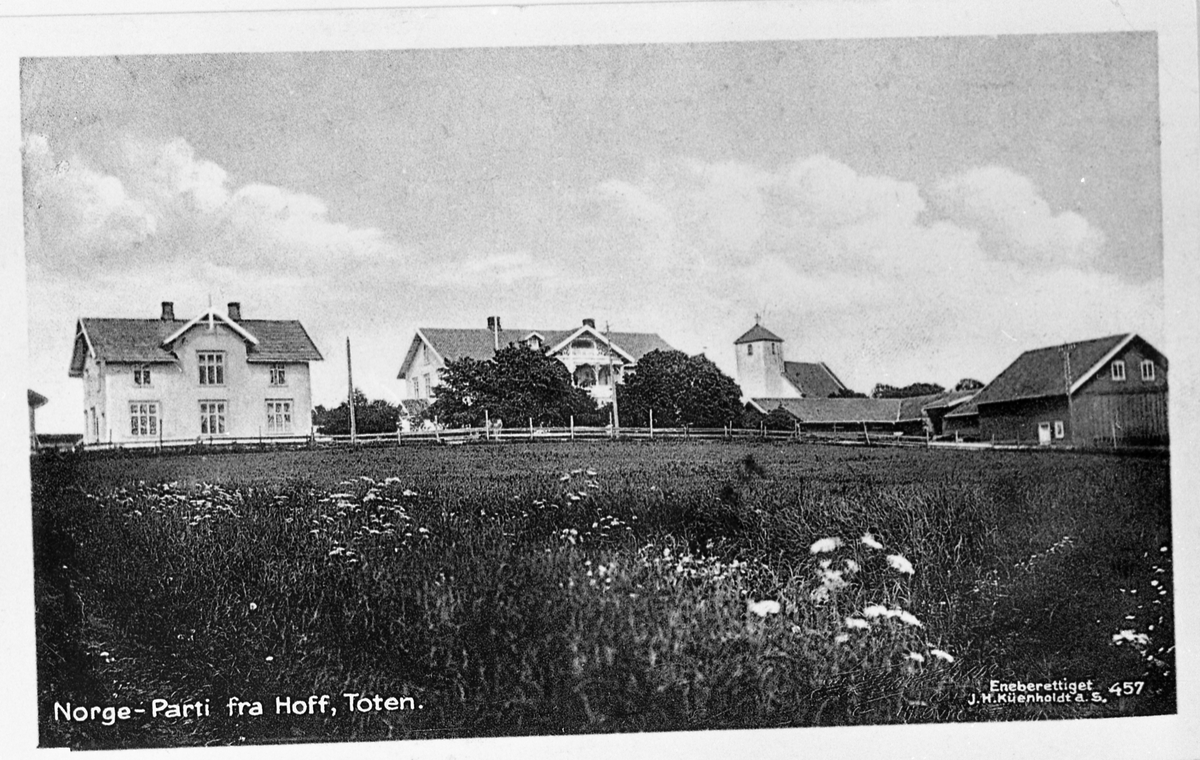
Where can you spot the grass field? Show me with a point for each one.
(571, 588)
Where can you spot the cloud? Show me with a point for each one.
(160, 205)
(886, 281)
(1015, 223)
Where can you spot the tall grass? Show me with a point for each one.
(565, 589)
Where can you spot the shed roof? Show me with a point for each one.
(836, 410)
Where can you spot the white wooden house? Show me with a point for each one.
(214, 376)
(595, 359)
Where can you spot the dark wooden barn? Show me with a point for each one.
(1107, 392)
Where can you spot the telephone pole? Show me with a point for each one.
(350, 397)
(612, 378)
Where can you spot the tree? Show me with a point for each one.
(680, 390)
(846, 393)
(376, 416)
(968, 384)
(517, 384)
(882, 390)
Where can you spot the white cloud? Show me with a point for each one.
(162, 204)
(869, 274)
(1015, 222)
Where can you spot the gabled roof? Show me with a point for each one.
(757, 333)
(1042, 372)
(812, 379)
(453, 343)
(212, 317)
(142, 341)
(36, 399)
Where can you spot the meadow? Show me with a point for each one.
(551, 588)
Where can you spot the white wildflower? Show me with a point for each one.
(870, 541)
(825, 545)
(853, 622)
(875, 610)
(915, 657)
(900, 564)
(942, 654)
(842, 638)
(852, 566)
(765, 607)
(909, 618)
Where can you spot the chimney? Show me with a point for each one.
(235, 311)
(589, 322)
(494, 326)
(168, 311)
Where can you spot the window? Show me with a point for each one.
(1118, 370)
(212, 367)
(416, 387)
(427, 388)
(143, 418)
(1060, 429)
(773, 349)
(279, 416)
(278, 374)
(141, 375)
(212, 417)
(1147, 369)
(95, 425)
(749, 349)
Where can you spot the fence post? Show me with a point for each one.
(652, 424)
(531, 428)
(572, 427)
(762, 430)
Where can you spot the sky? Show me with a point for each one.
(906, 210)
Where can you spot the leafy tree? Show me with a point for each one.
(968, 384)
(376, 416)
(780, 419)
(847, 393)
(681, 390)
(515, 385)
(916, 389)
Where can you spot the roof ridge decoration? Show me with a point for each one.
(596, 334)
(211, 315)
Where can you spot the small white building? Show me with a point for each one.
(596, 360)
(214, 376)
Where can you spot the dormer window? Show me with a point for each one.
(141, 374)
(1148, 370)
(1118, 371)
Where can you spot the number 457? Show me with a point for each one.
(1126, 688)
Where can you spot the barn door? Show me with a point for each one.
(1043, 433)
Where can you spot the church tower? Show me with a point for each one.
(760, 364)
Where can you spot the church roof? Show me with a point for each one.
(812, 379)
(756, 334)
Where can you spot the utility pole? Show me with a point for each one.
(612, 378)
(1067, 387)
(350, 397)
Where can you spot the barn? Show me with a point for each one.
(1105, 392)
